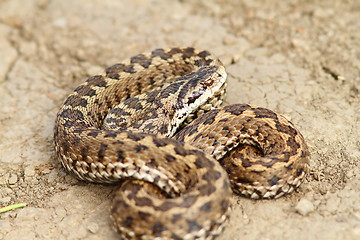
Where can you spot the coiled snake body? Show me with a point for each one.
(117, 126)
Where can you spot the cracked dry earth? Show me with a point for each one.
(299, 58)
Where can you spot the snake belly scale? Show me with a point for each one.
(132, 124)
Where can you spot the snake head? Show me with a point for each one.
(189, 92)
(200, 86)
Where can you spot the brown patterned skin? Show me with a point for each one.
(172, 189)
(263, 153)
(196, 190)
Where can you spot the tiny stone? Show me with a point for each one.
(60, 212)
(93, 227)
(60, 22)
(5, 191)
(333, 204)
(29, 171)
(229, 40)
(52, 176)
(304, 207)
(13, 179)
(355, 232)
(5, 200)
(46, 171)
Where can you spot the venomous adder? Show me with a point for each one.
(133, 124)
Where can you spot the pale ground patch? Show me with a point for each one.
(299, 58)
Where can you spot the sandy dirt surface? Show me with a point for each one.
(299, 58)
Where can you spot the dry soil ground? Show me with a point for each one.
(299, 58)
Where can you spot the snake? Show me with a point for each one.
(154, 126)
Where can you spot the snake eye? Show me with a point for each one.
(209, 82)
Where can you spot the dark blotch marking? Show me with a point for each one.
(208, 117)
(211, 175)
(169, 158)
(209, 120)
(171, 89)
(97, 80)
(286, 129)
(102, 150)
(161, 53)
(85, 90)
(128, 222)
(299, 171)
(166, 206)
(75, 100)
(224, 205)
(273, 181)
(135, 136)
(120, 155)
(236, 109)
(180, 150)
(93, 133)
(110, 135)
(304, 154)
(188, 201)
(244, 181)
(143, 201)
(76, 141)
(188, 52)
(144, 215)
(140, 148)
(208, 62)
(204, 54)
(159, 142)
(199, 62)
(179, 176)
(163, 129)
(202, 162)
(175, 218)
(175, 51)
(69, 124)
(90, 93)
(264, 113)
(293, 144)
(257, 172)
(223, 120)
(152, 163)
(84, 153)
(142, 60)
(206, 190)
(197, 136)
(193, 130)
(72, 114)
(193, 226)
(113, 71)
(289, 167)
(245, 162)
(158, 228)
(175, 237)
(206, 207)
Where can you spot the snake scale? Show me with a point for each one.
(133, 124)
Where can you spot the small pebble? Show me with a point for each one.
(53, 176)
(355, 233)
(60, 22)
(5, 191)
(46, 171)
(13, 179)
(29, 171)
(93, 227)
(5, 200)
(304, 207)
